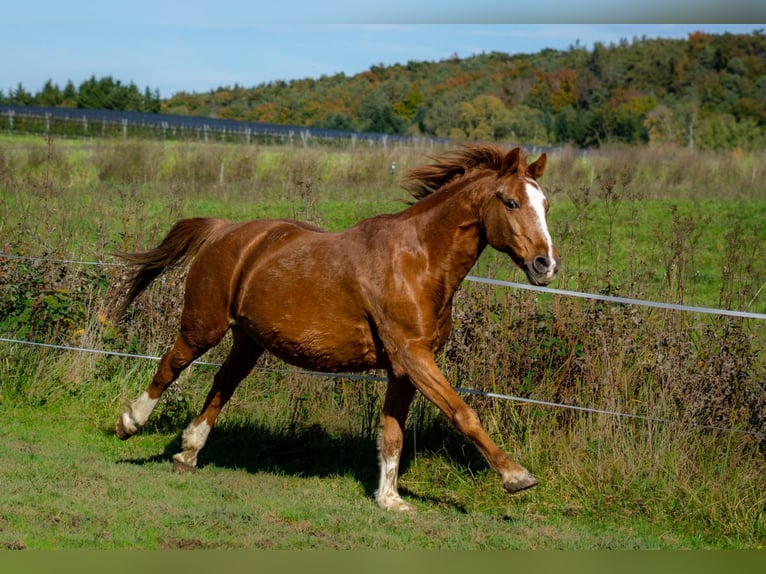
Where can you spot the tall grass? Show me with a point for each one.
(668, 224)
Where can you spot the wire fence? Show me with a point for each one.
(487, 281)
(378, 379)
(83, 122)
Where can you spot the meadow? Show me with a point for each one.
(292, 462)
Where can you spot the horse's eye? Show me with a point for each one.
(511, 204)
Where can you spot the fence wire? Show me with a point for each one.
(377, 379)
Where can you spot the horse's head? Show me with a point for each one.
(514, 216)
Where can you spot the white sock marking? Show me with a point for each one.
(141, 408)
(195, 436)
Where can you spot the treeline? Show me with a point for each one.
(97, 94)
(707, 91)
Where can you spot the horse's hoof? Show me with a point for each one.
(181, 466)
(519, 482)
(122, 432)
(396, 504)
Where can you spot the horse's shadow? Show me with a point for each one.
(313, 452)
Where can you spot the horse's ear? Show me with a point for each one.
(510, 162)
(536, 169)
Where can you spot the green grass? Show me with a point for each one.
(288, 467)
(69, 483)
(667, 250)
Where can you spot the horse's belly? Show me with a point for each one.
(302, 302)
(334, 346)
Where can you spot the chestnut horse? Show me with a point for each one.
(378, 295)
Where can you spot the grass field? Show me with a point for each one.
(69, 484)
(292, 463)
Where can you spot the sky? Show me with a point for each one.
(197, 46)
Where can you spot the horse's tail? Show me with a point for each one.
(180, 245)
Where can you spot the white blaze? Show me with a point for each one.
(537, 201)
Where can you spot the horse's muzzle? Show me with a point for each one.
(542, 269)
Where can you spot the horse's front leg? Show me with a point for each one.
(399, 396)
(419, 365)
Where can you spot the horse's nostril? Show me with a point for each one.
(541, 264)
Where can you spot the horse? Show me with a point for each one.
(377, 295)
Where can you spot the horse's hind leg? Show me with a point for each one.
(241, 360)
(180, 356)
(399, 396)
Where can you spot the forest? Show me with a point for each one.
(707, 91)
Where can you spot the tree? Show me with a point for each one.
(686, 113)
(660, 126)
(723, 131)
(485, 117)
(69, 95)
(408, 106)
(337, 121)
(151, 101)
(91, 94)
(376, 114)
(527, 125)
(20, 96)
(438, 119)
(110, 94)
(570, 126)
(50, 95)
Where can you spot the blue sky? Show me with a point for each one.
(196, 46)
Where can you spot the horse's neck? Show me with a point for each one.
(451, 233)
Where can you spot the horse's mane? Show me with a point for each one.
(424, 180)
